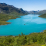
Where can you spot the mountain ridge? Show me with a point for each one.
(5, 8)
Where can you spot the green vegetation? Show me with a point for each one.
(4, 18)
(33, 39)
(43, 16)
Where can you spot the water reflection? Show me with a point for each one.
(34, 18)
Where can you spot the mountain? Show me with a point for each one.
(10, 9)
(37, 12)
(33, 12)
(42, 12)
(9, 12)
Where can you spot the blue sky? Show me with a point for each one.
(28, 5)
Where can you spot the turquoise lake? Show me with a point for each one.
(32, 22)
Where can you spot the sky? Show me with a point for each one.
(27, 5)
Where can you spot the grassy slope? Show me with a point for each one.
(34, 39)
(43, 16)
(4, 18)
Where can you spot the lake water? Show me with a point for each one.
(26, 24)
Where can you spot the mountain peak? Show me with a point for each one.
(5, 8)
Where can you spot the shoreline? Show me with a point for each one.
(14, 17)
(24, 34)
(9, 22)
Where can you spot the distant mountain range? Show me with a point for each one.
(10, 9)
(37, 12)
(33, 12)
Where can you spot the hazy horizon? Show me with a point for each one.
(28, 5)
